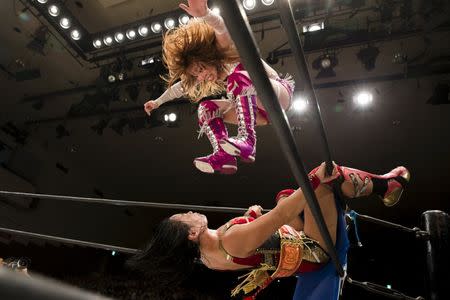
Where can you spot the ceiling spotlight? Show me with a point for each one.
(108, 40)
(111, 78)
(131, 34)
(42, 1)
(147, 61)
(363, 99)
(156, 27)
(170, 118)
(75, 34)
(97, 43)
(183, 19)
(53, 10)
(399, 58)
(249, 4)
(169, 23)
(122, 76)
(368, 56)
(300, 104)
(325, 64)
(267, 2)
(65, 23)
(314, 27)
(143, 30)
(215, 10)
(119, 37)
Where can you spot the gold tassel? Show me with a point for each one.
(253, 279)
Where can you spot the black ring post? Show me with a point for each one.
(239, 28)
(287, 19)
(437, 224)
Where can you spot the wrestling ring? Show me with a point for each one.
(434, 231)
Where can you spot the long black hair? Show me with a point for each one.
(169, 257)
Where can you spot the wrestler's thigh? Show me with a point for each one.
(282, 94)
(327, 205)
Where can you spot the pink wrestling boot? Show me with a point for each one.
(212, 124)
(244, 144)
(389, 187)
(241, 89)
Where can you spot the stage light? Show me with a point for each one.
(97, 43)
(215, 10)
(131, 34)
(53, 10)
(300, 104)
(183, 19)
(122, 76)
(363, 99)
(111, 78)
(267, 2)
(143, 30)
(65, 23)
(170, 118)
(399, 58)
(119, 37)
(147, 61)
(108, 40)
(325, 64)
(42, 1)
(368, 56)
(249, 4)
(156, 27)
(75, 34)
(169, 23)
(313, 27)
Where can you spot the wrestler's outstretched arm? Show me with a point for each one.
(173, 92)
(199, 9)
(242, 240)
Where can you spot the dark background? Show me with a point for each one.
(55, 102)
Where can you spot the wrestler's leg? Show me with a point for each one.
(325, 198)
(297, 221)
(211, 123)
(283, 95)
(388, 187)
(281, 91)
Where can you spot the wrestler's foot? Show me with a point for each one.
(397, 179)
(389, 187)
(238, 147)
(218, 162)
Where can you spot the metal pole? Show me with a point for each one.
(237, 24)
(437, 250)
(223, 209)
(68, 241)
(414, 230)
(288, 22)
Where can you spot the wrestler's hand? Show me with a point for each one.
(254, 211)
(321, 173)
(149, 106)
(196, 8)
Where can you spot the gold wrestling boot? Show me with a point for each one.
(389, 187)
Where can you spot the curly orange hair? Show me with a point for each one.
(195, 42)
